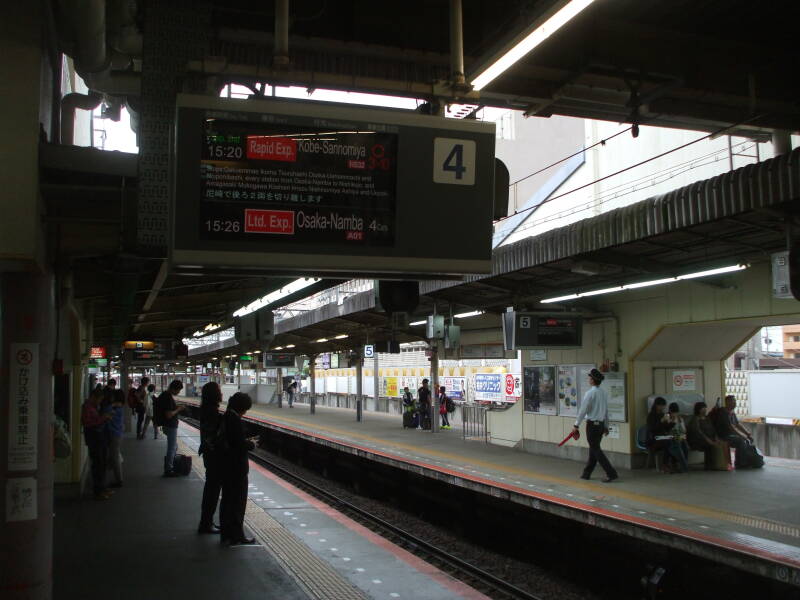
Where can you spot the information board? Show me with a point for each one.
(292, 185)
(539, 390)
(532, 330)
(614, 384)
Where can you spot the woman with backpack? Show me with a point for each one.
(210, 399)
(444, 401)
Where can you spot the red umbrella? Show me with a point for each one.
(572, 434)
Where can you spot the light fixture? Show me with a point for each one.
(415, 323)
(278, 348)
(290, 288)
(341, 337)
(641, 284)
(290, 346)
(257, 352)
(322, 340)
(473, 313)
(550, 22)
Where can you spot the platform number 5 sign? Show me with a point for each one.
(453, 161)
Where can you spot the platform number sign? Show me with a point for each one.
(369, 351)
(453, 161)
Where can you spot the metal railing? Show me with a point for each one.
(474, 422)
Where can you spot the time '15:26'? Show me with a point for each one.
(223, 226)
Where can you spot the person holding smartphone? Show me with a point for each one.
(235, 466)
(171, 410)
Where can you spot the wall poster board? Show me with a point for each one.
(539, 390)
(568, 391)
(614, 384)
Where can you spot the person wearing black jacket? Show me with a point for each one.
(660, 427)
(210, 399)
(235, 467)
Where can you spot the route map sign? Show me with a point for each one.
(294, 185)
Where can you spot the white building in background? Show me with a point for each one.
(608, 175)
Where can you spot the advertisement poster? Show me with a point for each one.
(390, 385)
(20, 499)
(455, 386)
(489, 387)
(568, 398)
(412, 383)
(540, 390)
(23, 406)
(296, 183)
(684, 381)
(513, 387)
(614, 384)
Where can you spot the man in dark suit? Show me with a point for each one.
(235, 467)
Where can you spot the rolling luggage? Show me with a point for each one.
(182, 464)
(408, 419)
(426, 421)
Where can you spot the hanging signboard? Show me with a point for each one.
(297, 185)
(537, 330)
(97, 352)
(489, 387)
(23, 406)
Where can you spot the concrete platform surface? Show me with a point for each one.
(142, 543)
(752, 514)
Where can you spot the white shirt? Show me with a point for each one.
(148, 404)
(594, 406)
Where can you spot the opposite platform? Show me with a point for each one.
(747, 519)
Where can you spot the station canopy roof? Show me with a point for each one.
(675, 63)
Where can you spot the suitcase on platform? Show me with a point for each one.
(749, 457)
(409, 420)
(426, 421)
(182, 464)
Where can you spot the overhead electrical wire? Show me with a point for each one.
(628, 168)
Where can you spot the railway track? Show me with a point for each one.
(460, 569)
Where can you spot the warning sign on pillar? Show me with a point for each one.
(23, 409)
(21, 499)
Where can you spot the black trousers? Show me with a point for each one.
(139, 420)
(233, 504)
(98, 450)
(594, 435)
(211, 489)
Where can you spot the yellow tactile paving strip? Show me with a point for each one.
(319, 579)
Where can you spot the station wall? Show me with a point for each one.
(713, 317)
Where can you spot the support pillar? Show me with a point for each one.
(27, 332)
(359, 387)
(377, 379)
(279, 386)
(312, 360)
(124, 385)
(435, 386)
(781, 142)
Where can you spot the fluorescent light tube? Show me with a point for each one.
(563, 16)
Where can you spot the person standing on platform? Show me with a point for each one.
(139, 406)
(235, 467)
(291, 391)
(595, 410)
(424, 399)
(149, 399)
(210, 399)
(443, 402)
(94, 425)
(170, 410)
(116, 428)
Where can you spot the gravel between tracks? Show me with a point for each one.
(527, 576)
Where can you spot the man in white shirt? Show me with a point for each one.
(595, 410)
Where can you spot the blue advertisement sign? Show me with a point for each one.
(489, 387)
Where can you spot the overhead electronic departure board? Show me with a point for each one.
(300, 186)
(307, 184)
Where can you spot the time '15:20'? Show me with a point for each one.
(223, 226)
(224, 151)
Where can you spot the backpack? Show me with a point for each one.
(132, 400)
(160, 410)
(216, 444)
(451, 406)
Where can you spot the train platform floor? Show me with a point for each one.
(747, 518)
(143, 543)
